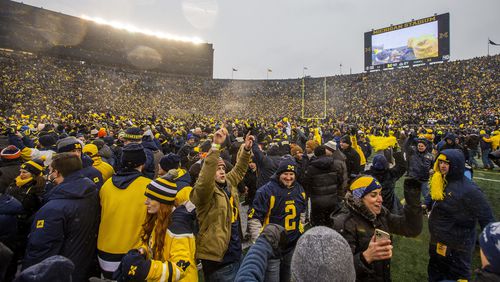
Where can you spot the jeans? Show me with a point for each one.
(278, 269)
(224, 274)
(455, 265)
(424, 186)
(487, 163)
(472, 159)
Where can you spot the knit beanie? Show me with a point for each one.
(133, 155)
(161, 190)
(331, 146)
(101, 133)
(363, 185)
(68, 144)
(133, 133)
(322, 254)
(47, 140)
(10, 152)
(34, 167)
(90, 149)
(489, 241)
(380, 163)
(286, 164)
(170, 161)
(320, 151)
(346, 139)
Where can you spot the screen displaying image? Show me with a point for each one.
(411, 43)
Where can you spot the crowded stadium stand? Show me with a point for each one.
(36, 30)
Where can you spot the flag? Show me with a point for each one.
(305, 68)
(493, 43)
(235, 69)
(269, 70)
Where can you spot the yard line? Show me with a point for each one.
(487, 179)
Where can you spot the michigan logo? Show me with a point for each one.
(96, 179)
(40, 223)
(132, 270)
(183, 264)
(291, 167)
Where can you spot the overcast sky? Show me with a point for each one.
(286, 35)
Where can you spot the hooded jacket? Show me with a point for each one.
(122, 214)
(66, 225)
(453, 220)
(356, 223)
(10, 208)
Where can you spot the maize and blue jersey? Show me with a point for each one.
(277, 204)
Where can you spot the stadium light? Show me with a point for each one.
(134, 29)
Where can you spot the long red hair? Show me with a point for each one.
(159, 222)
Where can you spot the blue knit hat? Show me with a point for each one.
(489, 241)
(287, 164)
(364, 185)
(133, 155)
(380, 163)
(170, 161)
(133, 133)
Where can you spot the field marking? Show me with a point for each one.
(487, 179)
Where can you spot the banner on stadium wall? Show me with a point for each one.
(412, 43)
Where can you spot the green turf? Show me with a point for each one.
(410, 255)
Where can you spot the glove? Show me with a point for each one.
(133, 267)
(275, 235)
(412, 191)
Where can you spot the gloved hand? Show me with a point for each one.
(412, 189)
(133, 267)
(275, 235)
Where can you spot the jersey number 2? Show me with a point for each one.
(291, 212)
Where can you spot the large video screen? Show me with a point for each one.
(416, 42)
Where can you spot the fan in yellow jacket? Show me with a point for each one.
(106, 169)
(168, 234)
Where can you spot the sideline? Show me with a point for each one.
(486, 179)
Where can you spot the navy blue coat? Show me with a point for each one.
(453, 220)
(67, 225)
(254, 265)
(10, 207)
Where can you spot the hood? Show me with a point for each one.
(457, 163)
(450, 135)
(148, 143)
(74, 186)
(323, 162)
(87, 161)
(123, 178)
(10, 205)
(106, 152)
(380, 163)
(183, 179)
(97, 160)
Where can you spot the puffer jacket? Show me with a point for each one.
(453, 220)
(357, 225)
(10, 208)
(213, 207)
(323, 184)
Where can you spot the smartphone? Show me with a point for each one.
(382, 235)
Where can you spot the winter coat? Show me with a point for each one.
(122, 214)
(452, 221)
(213, 206)
(67, 225)
(357, 225)
(483, 275)
(323, 183)
(9, 170)
(103, 167)
(388, 178)
(91, 172)
(352, 161)
(254, 265)
(419, 163)
(266, 164)
(151, 165)
(10, 208)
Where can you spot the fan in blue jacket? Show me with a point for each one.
(67, 224)
(457, 205)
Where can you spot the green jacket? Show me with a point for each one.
(213, 209)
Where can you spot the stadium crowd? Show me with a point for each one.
(134, 175)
